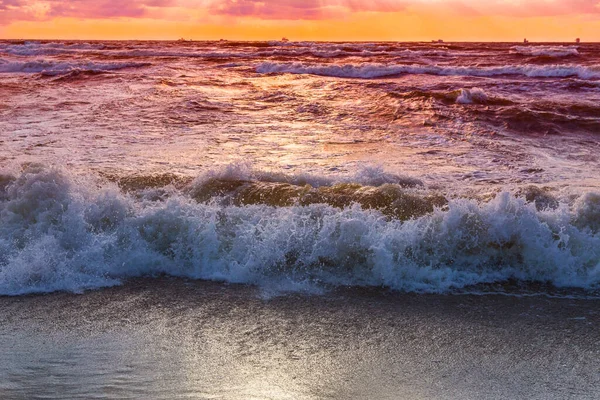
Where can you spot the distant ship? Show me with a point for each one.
(577, 40)
(285, 40)
(525, 41)
(437, 41)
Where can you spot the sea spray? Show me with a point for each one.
(62, 233)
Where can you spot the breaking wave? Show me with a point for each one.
(39, 49)
(318, 51)
(373, 70)
(219, 50)
(546, 51)
(47, 67)
(72, 233)
(473, 95)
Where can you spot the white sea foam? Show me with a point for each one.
(330, 50)
(291, 44)
(337, 51)
(318, 52)
(375, 70)
(39, 49)
(548, 51)
(178, 54)
(49, 67)
(59, 233)
(470, 96)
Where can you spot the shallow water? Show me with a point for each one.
(168, 338)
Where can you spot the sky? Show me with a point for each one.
(394, 20)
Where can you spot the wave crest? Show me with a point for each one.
(545, 51)
(373, 70)
(52, 68)
(65, 233)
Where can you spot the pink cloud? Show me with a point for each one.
(285, 9)
(377, 5)
(302, 9)
(103, 8)
(525, 8)
(12, 10)
(7, 4)
(315, 9)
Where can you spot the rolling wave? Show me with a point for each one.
(321, 50)
(49, 67)
(62, 232)
(547, 51)
(40, 49)
(472, 95)
(374, 70)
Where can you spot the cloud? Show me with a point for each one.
(8, 4)
(317, 9)
(100, 9)
(302, 9)
(13, 10)
(263, 9)
(285, 9)
(47, 9)
(526, 8)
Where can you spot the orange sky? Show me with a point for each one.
(496, 20)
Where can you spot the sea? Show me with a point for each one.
(302, 220)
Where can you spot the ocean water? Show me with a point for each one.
(301, 167)
(270, 220)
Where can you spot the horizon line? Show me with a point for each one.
(298, 41)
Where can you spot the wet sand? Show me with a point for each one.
(170, 338)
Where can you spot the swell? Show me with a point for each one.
(529, 117)
(544, 117)
(62, 232)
